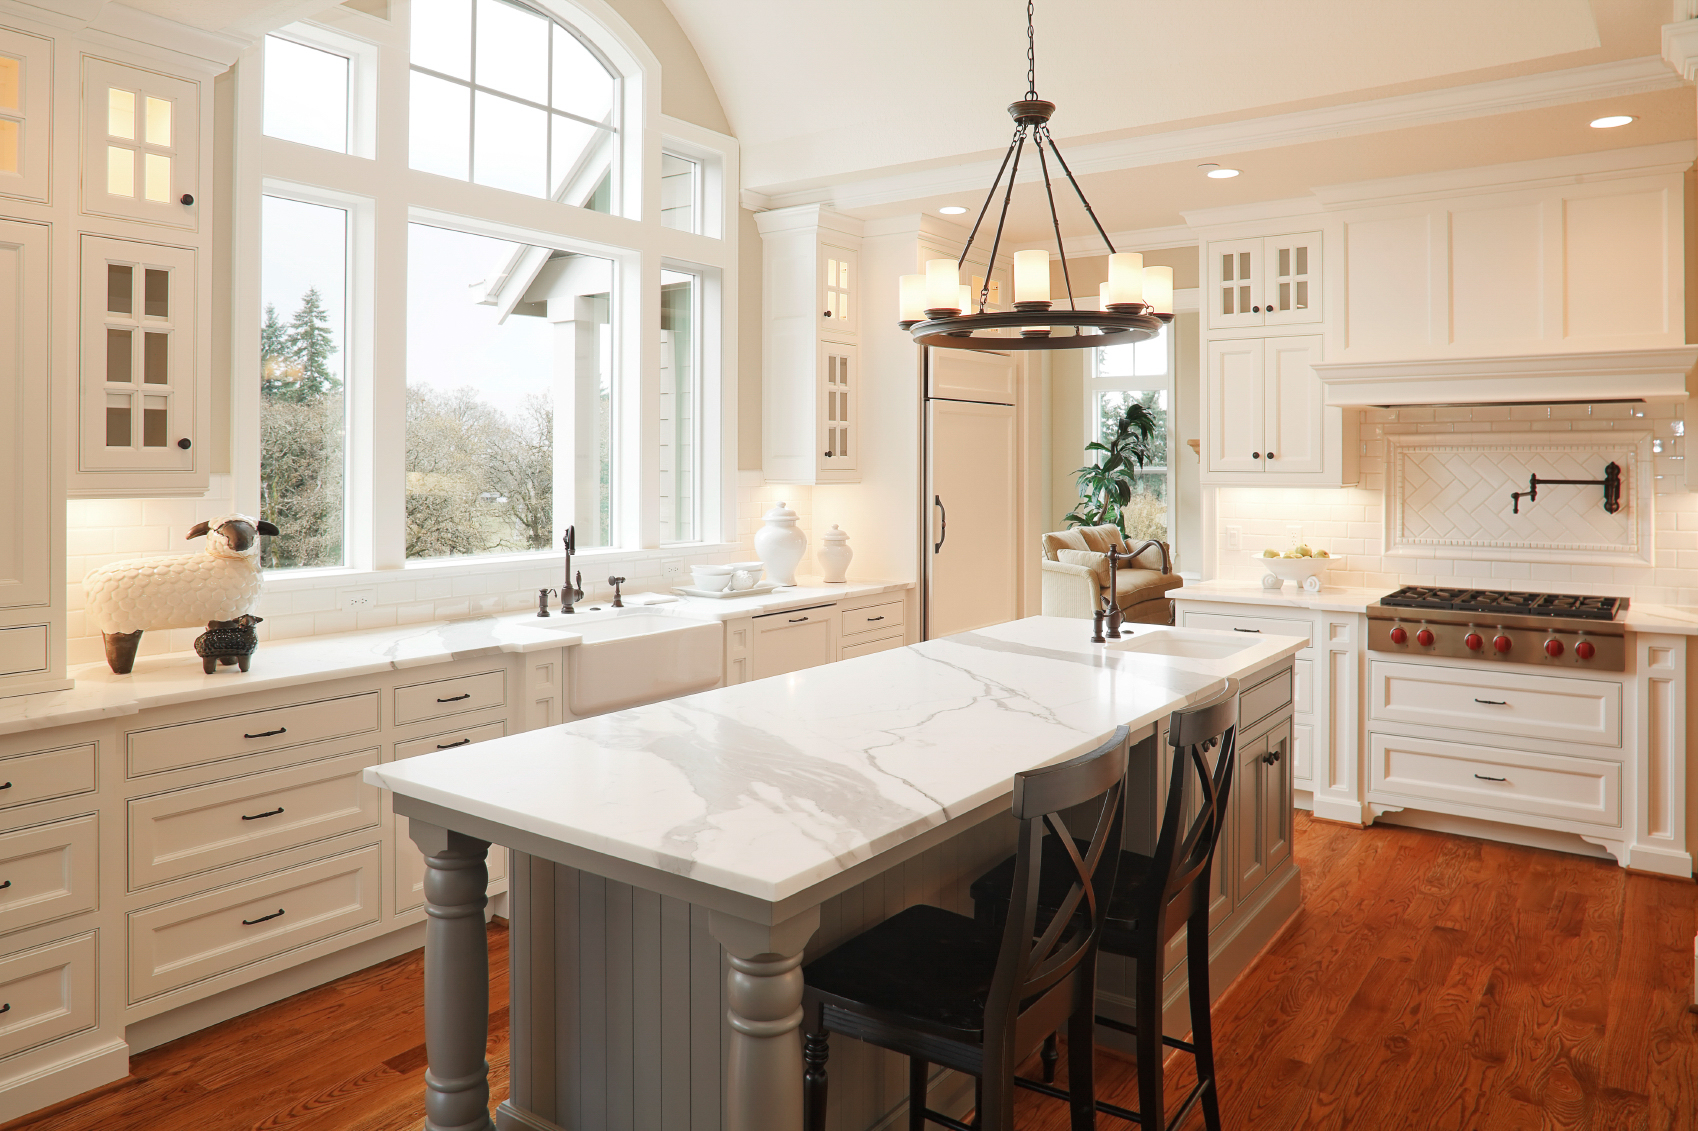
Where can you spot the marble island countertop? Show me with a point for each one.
(768, 788)
(177, 677)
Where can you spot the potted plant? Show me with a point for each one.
(1107, 485)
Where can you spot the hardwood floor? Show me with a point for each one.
(1430, 982)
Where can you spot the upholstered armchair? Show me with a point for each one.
(1076, 576)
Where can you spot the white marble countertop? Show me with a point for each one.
(177, 677)
(1332, 599)
(768, 788)
(1680, 620)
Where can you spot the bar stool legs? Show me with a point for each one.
(1202, 1026)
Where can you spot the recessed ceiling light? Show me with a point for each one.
(1220, 174)
(1611, 122)
(951, 210)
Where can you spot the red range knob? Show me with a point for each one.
(1501, 643)
(1584, 650)
(1424, 638)
(1553, 648)
(1474, 642)
(1398, 636)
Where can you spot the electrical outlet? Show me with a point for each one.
(672, 571)
(358, 600)
(1235, 537)
(1293, 535)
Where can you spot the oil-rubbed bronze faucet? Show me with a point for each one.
(616, 582)
(542, 602)
(571, 591)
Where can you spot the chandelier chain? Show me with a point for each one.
(1031, 54)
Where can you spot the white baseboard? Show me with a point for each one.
(151, 1032)
(61, 1080)
(1493, 830)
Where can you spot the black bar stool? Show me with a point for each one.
(1154, 896)
(945, 989)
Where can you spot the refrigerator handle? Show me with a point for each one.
(943, 534)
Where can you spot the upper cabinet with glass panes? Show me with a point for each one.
(505, 97)
(141, 138)
(1264, 281)
(25, 114)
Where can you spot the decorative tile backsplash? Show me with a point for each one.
(1351, 523)
(306, 604)
(1455, 494)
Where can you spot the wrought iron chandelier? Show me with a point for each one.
(940, 310)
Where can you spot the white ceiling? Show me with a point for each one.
(821, 90)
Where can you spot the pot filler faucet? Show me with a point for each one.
(572, 590)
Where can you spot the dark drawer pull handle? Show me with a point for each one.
(1255, 630)
(451, 745)
(8, 785)
(1483, 777)
(870, 620)
(257, 816)
(5, 885)
(797, 620)
(456, 698)
(262, 918)
(7, 1008)
(267, 733)
(1493, 702)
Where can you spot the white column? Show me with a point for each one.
(763, 1075)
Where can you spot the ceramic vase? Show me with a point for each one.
(780, 544)
(834, 555)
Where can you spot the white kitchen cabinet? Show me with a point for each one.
(793, 639)
(1266, 421)
(1264, 281)
(141, 138)
(31, 509)
(811, 382)
(141, 412)
(26, 114)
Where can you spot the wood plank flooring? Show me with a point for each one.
(1430, 982)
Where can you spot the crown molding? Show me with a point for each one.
(1680, 48)
(1646, 375)
(1142, 239)
(1457, 103)
(754, 201)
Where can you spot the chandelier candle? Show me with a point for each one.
(1125, 281)
(1031, 280)
(913, 303)
(943, 281)
(1158, 291)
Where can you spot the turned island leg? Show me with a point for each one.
(763, 1075)
(456, 979)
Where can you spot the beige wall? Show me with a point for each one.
(685, 90)
(1090, 272)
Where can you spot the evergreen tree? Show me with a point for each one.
(310, 347)
(275, 367)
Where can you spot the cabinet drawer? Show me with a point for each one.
(197, 938)
(1497, 701)
(1271, 626)
(794, 639)
(50, 992)
(46, 774)
(868, 643)
(1263, 699)
(874, 618)
(23, 650)
(193, 830)
(208, 740)
(1495, 782)
(1303, 686)
(463, 737)
(450, 696)
(50, 871)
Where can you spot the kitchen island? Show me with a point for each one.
(672, 863)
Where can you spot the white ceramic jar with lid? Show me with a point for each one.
(834, 555)
(780, 544)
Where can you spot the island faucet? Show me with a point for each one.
(570, 592)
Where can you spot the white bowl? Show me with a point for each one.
(747, 575)
(713, 578)
(1305, 572)
(756, 568)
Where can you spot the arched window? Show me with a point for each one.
(502, 95)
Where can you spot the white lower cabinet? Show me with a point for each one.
(47, 992)
(1495, 783)
(409, 861)
(49, 871)
(794, 639)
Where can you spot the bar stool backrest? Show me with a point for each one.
(1184, 851)
(1037, 983)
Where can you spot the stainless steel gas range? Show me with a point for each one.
(1549, 630)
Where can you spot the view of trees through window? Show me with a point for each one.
(1139, 373)
(303, 418)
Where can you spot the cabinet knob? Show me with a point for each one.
(185, 443)
(1255, 455)
(1255, 310)
(187, 199)
(828, 455)
(825, 314)
(1270, 455)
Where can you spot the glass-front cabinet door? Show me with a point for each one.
(1293, 291)
(138, 357)
(839, 412)
(141, 134)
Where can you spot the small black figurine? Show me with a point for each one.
(227, 642)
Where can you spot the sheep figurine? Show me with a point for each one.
(227, 642)
(177, 590)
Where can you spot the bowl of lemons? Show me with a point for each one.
(1301, 565)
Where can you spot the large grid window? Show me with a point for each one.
(1140, 373)
(506, 97)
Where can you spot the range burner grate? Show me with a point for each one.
(1507, 601)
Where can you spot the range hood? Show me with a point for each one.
(1622, 375)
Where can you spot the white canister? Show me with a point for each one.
(834, 554)
(780, 544)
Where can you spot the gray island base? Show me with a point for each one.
(673, 864)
